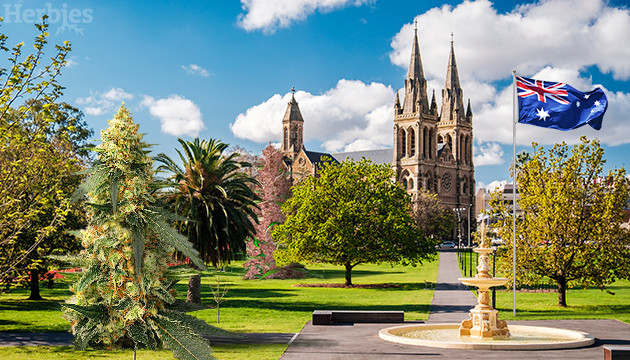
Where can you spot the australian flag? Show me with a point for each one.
(559, 106)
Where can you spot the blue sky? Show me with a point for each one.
(224, 69)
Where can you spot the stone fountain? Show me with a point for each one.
(483, 322)
(483, 329)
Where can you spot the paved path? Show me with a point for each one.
(451, 299)
(451, 302)
(64, 339)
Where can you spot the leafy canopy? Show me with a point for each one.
(571, 230)
(353, 213)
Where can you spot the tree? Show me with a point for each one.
(123, 295)
(217, 199)
(275, 189)
(33, 169)
(570, 229)
(62, 152)
(434, 219)
(352, 214)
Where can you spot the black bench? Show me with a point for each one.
(616, 352)
(332, 317)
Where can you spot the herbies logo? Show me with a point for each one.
(68, 18)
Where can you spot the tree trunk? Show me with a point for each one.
(348, 274)
(562, 291)
(34, 284)
(194, 290)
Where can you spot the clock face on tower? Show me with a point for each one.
(446, 182)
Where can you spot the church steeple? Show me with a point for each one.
(452, 94)
(292, 128)
(415, 83)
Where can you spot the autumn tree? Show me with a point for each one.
(352, 214)
(34, 163)
(571, 229)
(275, 189)
(62, 154)
(124, 297)
(434, 219)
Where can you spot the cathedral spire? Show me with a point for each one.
(415, 65)
(293, 110)
(415, 84)
(452, 94)
(397, 103)
(292, 128)
(452, 76)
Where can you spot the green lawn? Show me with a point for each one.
(249, 306)
(582, 304)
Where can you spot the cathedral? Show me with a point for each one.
(432, 149)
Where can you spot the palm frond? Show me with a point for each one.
(171, 237)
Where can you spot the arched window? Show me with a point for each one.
(431, 143)
(404, 183)
(403, 143)
(411, 184)
(412, 142)
(286, 139)
(425, 143)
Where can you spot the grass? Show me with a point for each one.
(248, 306)
(582, 304)
(589, 303)
(221, 352)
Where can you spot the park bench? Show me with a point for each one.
(332, 317)
(616, 352)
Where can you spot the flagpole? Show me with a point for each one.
(514, 120)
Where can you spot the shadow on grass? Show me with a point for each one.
(30, 305)
(320, 305)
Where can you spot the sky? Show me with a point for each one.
(224, 69)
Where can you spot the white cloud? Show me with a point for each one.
(489, 154)
(71, 63)
(178, 115)
(552, 40)
(351, 116)
(117, 94)
(194, 69)
(269, 15)
(493, 185)
(99, 103)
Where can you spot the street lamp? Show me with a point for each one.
(459, 225)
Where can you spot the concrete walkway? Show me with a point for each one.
(451, 302)
(65, 339)
(451, 299)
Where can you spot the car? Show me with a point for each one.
(448, 245)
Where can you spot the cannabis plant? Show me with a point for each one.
(124, 296)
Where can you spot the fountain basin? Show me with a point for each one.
(523, 337)
(485, 283)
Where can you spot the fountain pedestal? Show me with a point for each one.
(483, 321)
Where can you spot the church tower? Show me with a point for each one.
(292, 129)
(455, 135)
(415, 130)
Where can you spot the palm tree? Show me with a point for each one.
(217, 199)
